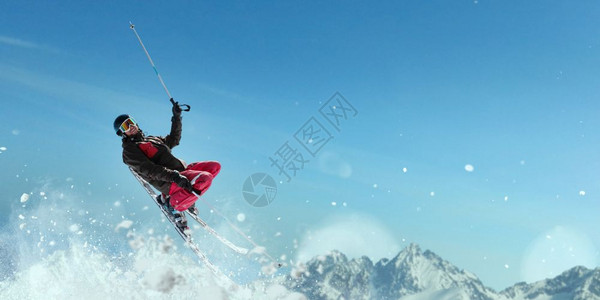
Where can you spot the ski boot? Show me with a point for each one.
(177, 216)
(162, 199)
(180, 220)
(193, 210)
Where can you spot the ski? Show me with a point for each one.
(184, 235)
(226, 242)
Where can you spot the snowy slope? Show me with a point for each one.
(156, 270)
(53, 248)
(414, 274)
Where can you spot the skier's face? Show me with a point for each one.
(133, 130)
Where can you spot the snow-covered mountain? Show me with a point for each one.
(577, 283)
(414, 274)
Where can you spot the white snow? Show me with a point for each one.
(241, 217)
(154, 274)
(124, 224)
(162, 279)
(581, 193)
(258, 250)
(269, 269)
(24, 197)
(3, 149)
(469, 168)
(298, 270)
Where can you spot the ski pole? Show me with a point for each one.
(150, 59)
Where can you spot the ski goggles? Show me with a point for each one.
(127, 124)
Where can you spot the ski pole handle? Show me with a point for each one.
(183, 107)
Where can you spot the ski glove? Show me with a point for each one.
(183, 182)
(176, 108)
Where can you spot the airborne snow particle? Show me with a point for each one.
(24, 197)
(241, 217)
(258, 250)
(505, 198)
(432, 194)
(42, 194)
(469, 168)
(21, 217)
(375, 185)
(333, 203)
(506, 266)
(74, 228)
(3, 149)
(16, 132)
(124, 224)
(404, 170)
(581, 193)
(21, 226)
(268, 269)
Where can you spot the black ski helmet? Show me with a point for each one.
(118, 121)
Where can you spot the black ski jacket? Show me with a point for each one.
(151, 158)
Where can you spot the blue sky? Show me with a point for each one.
(509, 87)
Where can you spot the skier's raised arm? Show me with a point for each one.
(174, 136)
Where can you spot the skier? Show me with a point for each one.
(151, 158)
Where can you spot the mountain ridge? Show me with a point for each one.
(417, 274)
